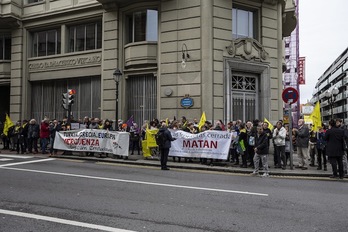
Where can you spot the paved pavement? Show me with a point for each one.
(219, 166)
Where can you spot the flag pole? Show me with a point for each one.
(290, 135)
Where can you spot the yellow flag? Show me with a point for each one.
(270, 126)
(202, 121)
(316, 117)
(8, 124)
(167, 121)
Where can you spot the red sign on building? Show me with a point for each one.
(301, 70)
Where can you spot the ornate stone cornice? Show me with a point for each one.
(247, 49)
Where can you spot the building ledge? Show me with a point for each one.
(140, 54)
(289, 18)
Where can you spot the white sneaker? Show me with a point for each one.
(265, 174)
(255, 173)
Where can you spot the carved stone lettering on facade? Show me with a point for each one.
(79, 61)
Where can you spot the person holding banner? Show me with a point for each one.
(167, 145)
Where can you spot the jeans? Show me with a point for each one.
(44, 142)
(321, 154)
(264, 159)
(280, 153)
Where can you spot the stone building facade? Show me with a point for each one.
(225, 56)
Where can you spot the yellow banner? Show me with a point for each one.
(316, 117)
(270, 126)
(149, 142)
(8, 124)
(202, 121)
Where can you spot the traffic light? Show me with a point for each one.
(71, 93)
(68, 98)
(65, 101)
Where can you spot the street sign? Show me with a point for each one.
(290, 95)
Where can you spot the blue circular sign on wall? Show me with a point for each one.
(186, 102)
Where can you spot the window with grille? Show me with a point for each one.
(142, 97)
(244, 103)
(243, 83)
(46, 98)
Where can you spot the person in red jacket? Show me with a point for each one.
(44, 135)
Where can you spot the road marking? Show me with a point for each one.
(62, 221)
(5, 159)
(17, 156)
(27, 162)
(138, 182)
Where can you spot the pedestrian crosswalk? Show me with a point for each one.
(4, 158)
(16, 156)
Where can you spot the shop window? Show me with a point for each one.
(244, 23)
(85, 37)
(46, 43)
(5, 47)
(142, 26)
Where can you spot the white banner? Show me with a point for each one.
(208, 144)
(89, 140)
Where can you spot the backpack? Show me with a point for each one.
(160, 138)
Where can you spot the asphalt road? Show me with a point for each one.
(40, 194)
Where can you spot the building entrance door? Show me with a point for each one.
(244, 97)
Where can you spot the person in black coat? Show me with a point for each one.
(164, 149)
(54, 127)
(261, 150)
(334, 148)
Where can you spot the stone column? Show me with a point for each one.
(17, 89)
(207, 72)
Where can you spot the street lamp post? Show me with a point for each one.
(331, 96)
(117, 78)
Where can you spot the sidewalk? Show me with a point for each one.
(221, 166)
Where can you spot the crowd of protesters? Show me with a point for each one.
(250, 147)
